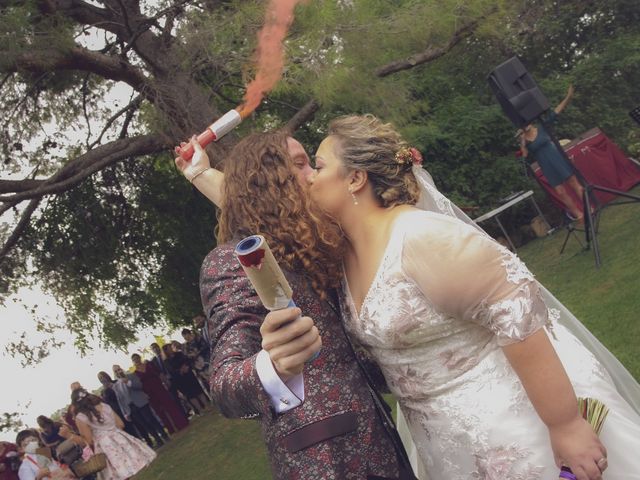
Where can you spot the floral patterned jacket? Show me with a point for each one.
(335, 387)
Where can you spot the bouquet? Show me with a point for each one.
(594, 412)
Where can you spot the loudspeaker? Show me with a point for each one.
(517, 92)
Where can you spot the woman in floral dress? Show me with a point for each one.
(102, 429)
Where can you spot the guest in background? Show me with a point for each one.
(134, 404)
(160, 399)
(197, 350)
(177, 346)
(109, 396)
(69, 416)
(159, 363)
(536, 140)
(9, 461)
(184, 378)
(50, 433)
(34, 465)
(103, 430)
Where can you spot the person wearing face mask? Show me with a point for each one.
(34, 465)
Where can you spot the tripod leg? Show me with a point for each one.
(566, 238)
(590, 229)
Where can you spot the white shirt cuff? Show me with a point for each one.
(283, 396)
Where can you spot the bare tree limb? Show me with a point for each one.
(14, 186)
(431, 53)
(20, 228)
(6, 207)
(92, 162)
(127, 120)
(131, 106)
(305, 113)
(5, 79)
(82, 59)
(85, 91)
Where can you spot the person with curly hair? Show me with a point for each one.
(319, 418)
(103, 431)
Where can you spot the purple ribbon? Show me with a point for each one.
(567, 473)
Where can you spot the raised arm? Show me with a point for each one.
(208, 180)
(561, 106)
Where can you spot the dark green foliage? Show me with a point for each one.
(122, 250)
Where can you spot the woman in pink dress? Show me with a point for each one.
(159, 397)
(102, 429)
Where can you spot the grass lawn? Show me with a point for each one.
(212, 448)
(606, 300)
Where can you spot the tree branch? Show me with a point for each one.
(304, 114)
(14, 186)
(132, 104)
(20, 228)
(91, 162)
(82, 59)
(431, 53)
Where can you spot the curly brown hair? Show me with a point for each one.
(264, 197)
(366, 143)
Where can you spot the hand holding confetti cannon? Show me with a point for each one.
(267, 278)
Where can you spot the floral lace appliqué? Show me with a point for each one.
(498, 463)
(515, 268)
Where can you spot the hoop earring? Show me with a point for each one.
(353, 196)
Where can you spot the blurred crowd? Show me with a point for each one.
(136, 411)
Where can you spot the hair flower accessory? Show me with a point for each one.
(82, 394)
(407, 155)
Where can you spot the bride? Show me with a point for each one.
(485, 376)
(485, 372)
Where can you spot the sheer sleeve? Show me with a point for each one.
(467, 275)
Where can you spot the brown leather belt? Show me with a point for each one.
(320, 430)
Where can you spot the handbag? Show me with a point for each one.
(96, 463)
(68, 452)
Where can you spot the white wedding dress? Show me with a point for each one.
(444, 300)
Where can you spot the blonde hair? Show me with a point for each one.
(366, 143)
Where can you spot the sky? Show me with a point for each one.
(44, 388)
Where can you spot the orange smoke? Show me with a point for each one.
(269, 53)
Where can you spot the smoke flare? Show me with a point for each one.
(269, 54)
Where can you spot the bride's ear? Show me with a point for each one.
(357, 180)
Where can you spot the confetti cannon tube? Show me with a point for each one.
(213, 133)
(265, 274)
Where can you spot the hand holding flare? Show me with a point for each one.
(270, 65)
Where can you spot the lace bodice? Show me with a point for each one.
(445, 295)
